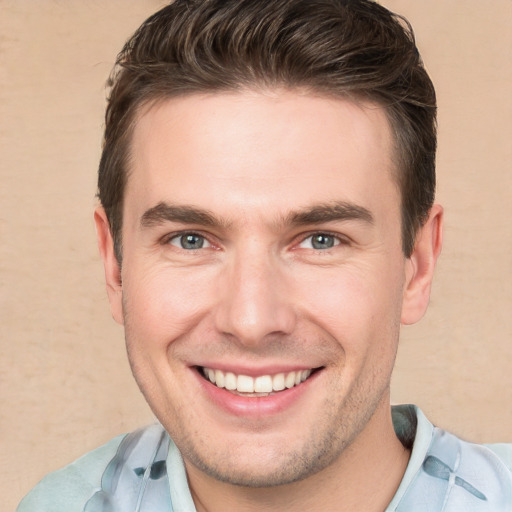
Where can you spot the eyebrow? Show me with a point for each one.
(329, 212)
(164, 212)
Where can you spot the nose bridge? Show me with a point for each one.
(253, 302)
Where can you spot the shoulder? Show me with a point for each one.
(128, 473)
(456, 475)
(504, 453)
(68, 489)
(450, 474)
(468, 476)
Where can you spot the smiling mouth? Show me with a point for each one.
(263, 385)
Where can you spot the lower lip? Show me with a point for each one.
(260, 406)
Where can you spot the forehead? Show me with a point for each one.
(260, 150)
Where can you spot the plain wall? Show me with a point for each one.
(65, 383)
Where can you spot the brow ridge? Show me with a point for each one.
(330, 212)
(165, 212)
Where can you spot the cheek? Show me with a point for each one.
(359, 307)
(162, 304)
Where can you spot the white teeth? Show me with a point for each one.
(290, 380)
(263, 384)
(230, 381)
(219, 378)
(278, 382)
(245, 384)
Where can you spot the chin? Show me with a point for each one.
(259, 467)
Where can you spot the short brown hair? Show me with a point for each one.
(349, 48)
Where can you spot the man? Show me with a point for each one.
(266, 225)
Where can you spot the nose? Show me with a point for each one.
(254, 302)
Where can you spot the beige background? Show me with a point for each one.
(64, 381)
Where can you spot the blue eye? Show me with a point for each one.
(320, 241)
(189, 241)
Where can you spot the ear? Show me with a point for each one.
(420, 267)
(110, 264)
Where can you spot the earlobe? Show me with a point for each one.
(110, 264)
(420, 267)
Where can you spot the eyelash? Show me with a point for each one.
(339, 240)
(166, 240)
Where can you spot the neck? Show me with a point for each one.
(364, 477)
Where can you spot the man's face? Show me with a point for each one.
(262, 251)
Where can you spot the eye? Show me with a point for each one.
(320, 241)
(189, 241)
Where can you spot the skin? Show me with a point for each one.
(259, 296)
